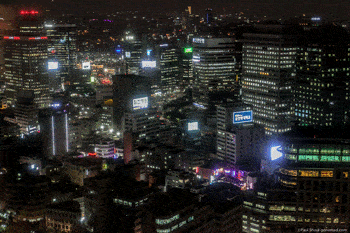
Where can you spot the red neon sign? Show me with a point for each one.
(38, 38)
(12, 37)
(29, 12)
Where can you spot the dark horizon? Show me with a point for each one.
(337, 9)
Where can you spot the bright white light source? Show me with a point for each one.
(276, 152)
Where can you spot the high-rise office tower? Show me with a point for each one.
(213, 67)
(312, 189)
(26, 112)
(26, 60)
(54, 125)
(268, 71)
(186, 67)
(130, 93)
(132, 52)
(322, 92)
(143, 124)
(169, 68)
(5, 25)
(238, 141)
(61, 51)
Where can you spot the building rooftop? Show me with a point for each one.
(70, 206)
(166, 204)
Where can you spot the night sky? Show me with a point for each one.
(272, 8)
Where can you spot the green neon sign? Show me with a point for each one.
(188, 50)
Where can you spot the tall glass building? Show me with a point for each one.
(62, 49)
(25, 58)
(322, 82)
(169, 57)
(311, 192)
(268, 71)
(213, 67)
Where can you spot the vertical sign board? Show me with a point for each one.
(242, 117)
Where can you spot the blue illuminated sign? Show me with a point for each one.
(242, 117)
(118, 50)
(149, 52)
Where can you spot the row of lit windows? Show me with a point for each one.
(283, 208)
(287, 183)
(282, 218)
(306, 173)
(319, 151)
(327, 158)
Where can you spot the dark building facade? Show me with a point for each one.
(311, 191)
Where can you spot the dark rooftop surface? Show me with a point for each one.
(166, 204)
(321, 134)
(71, 206)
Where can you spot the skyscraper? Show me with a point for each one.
(311, 190)
(213, 67)
(186, 67)
(169, 68)
(62, 50)
(54, 125)
(26, 60)
(322, 92)
(238, 142)
(132, 52)
(268, 72)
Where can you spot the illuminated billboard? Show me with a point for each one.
(55, 105)
(188, 50)
(127, 54)
(242, 117)
(198, 40)
(148, 64)
(86, 66)
(193, 126)
(52, 65)
(140, 103)
(276, 152)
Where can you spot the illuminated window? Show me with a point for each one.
(330, 158)
(346, 152)
(345, 174)
(308, 158)
(276, 208)
(248, 203)
(289, 208)
(284, 218)
(291, 156)
(326, 173)
(337, 199)
(288, 172)
(308, 173)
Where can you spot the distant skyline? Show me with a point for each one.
(338, 9)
